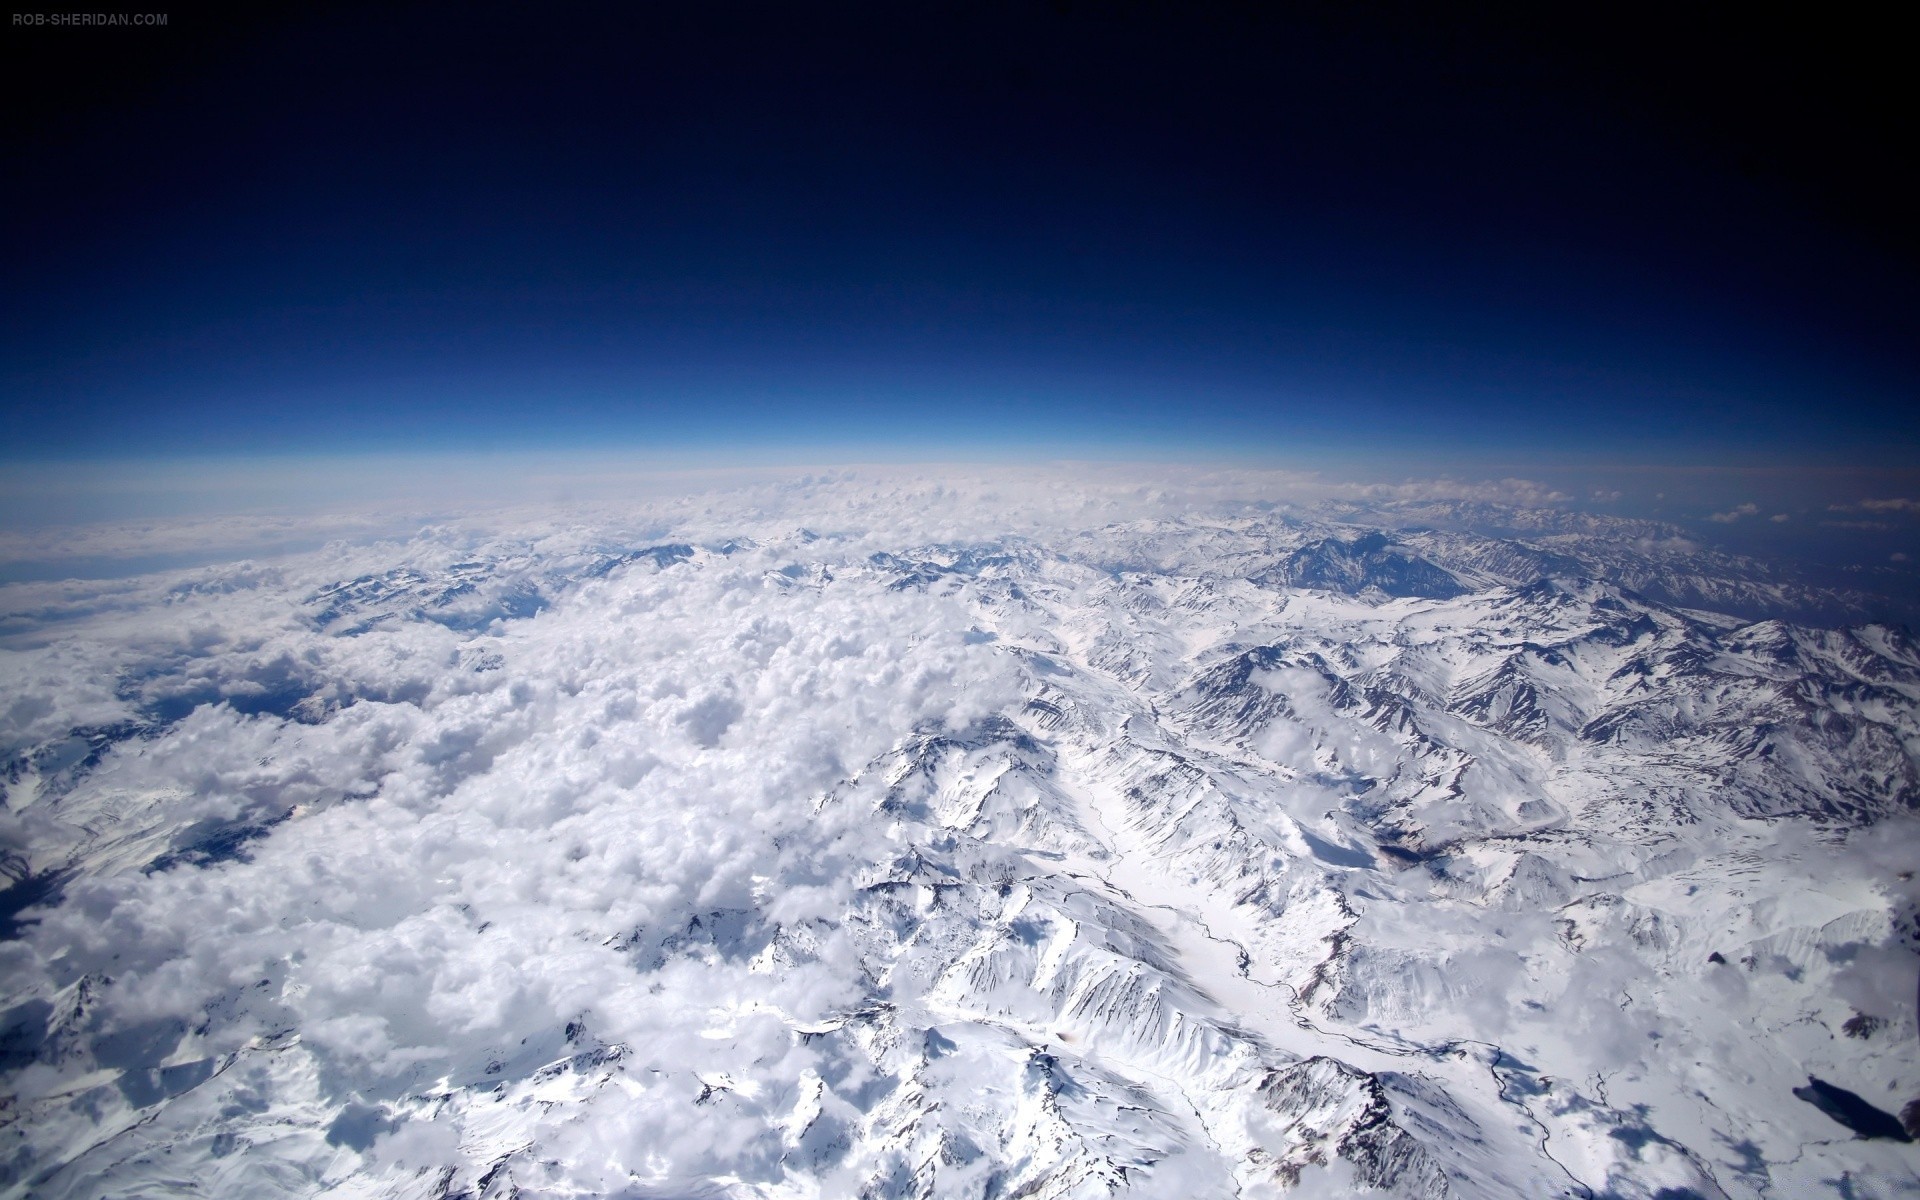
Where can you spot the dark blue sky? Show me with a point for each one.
(967, 229)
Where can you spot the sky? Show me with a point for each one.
(967, 230)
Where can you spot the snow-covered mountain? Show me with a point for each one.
(920, 843)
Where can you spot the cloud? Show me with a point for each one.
(474, 851)
(1735, 513)
(1495, 491)
(357, 503)
(164, 544)
(1894, 504)
(1779, 518)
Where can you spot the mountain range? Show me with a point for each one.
(1423, 849)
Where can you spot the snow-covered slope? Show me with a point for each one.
(835, 846)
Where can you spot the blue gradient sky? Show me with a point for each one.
(960, 231)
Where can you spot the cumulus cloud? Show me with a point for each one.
(442, 842)
(1735, 513)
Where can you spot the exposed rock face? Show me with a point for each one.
(1165, 858)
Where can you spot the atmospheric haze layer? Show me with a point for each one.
(967, 836)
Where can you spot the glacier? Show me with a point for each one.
(962, 836)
